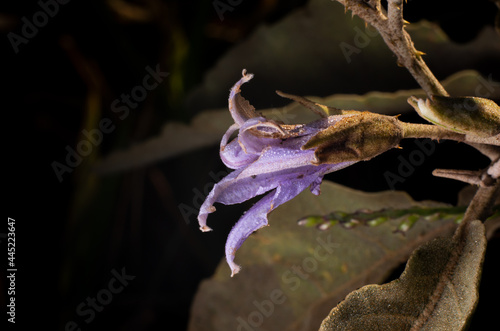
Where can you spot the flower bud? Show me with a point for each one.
(355, 138)
(469, 115)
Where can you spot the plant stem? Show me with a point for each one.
(413, 130)
(391, 28)
(481, 205)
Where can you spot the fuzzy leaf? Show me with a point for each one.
(437, 291)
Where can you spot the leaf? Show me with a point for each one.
(175, 138)
(437, 291)
(304, 270)
(207, 128)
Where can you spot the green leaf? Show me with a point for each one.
(291, 262)
(437, 291)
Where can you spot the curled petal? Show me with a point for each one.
(227, 135)
(233, 189)
(207, 206)
(232, 154)
(253, 144)
(252, 220)
(245, 149)
(256, 217)
(241, 110)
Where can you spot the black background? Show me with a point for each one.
(62, 260)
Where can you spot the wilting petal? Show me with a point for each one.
(252, 220)
(247, 147)
(256, 217)
(227, 135)
(275, 166)
(252, 144)
(207, 206)
(234, 189)
(241, 110)
(234, 156)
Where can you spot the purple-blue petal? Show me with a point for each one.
(234, 156)
(256, 217)
(239, 117)
(252, 220)
(253, 144)
(274, 167)
(207, 206)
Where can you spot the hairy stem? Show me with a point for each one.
(412, 130)
(391, 28)
(480, 207)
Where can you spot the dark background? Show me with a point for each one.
(71, 234)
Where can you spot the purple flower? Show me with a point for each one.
(267, 158)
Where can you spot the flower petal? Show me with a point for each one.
(234, 156)
(247, 147)
(282, 155)
(241, 110)
(275, 166)
(256, 217)
(253, 144)
(207, 206)
(252, 220)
